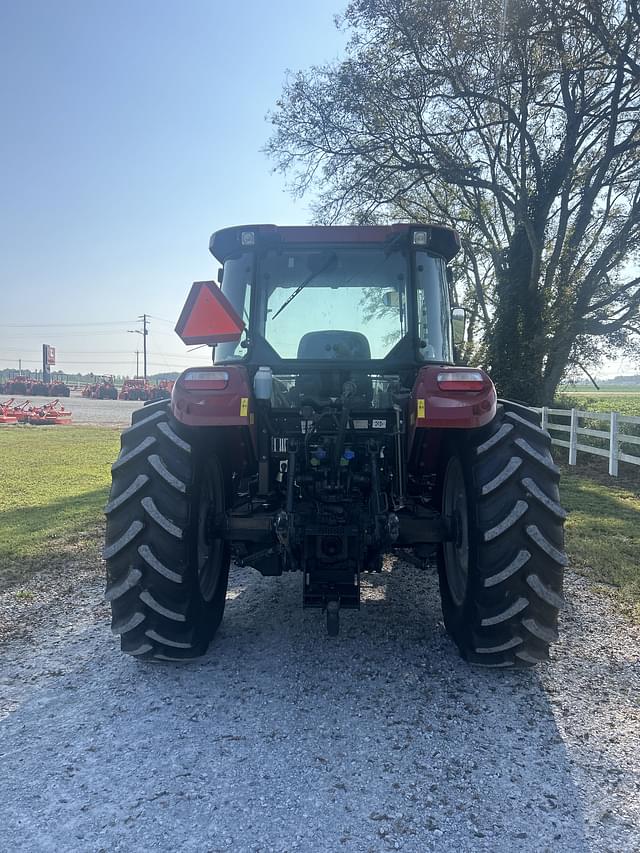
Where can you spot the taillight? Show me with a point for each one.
(205, 380)
(460, 380)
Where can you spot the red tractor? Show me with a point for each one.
(161, 390)
(103, 389)
(333, 426)
(134, 389)
(59, 389)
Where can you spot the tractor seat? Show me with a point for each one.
(333, 345)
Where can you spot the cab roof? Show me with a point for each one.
(230, 241)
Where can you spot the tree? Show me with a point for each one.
(517, 121)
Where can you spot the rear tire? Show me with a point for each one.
(501, 571)
(166, 578)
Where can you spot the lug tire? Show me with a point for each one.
(505, 612)
(161, 607)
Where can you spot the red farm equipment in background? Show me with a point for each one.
(23, 413)
(133, 389)
(142, 389)
(50, 413)
(34, 387)
(102, 389)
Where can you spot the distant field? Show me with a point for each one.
(627, 388)
(624, 402)
(55, 482)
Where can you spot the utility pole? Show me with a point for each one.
(144, 332)
(144, 342)
(137, 363)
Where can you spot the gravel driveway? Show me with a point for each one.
(283, 739)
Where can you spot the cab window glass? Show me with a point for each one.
(433, 308)
(236, 286)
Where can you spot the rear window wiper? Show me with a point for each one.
(307, 281)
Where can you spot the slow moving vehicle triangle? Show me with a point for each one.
(208, 317)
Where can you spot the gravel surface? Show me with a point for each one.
(283, 739)
(116, 413)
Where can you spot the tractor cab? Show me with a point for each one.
(324, 306)
(308, 295)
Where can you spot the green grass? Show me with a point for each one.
(626, 403)
(55, 482)
(603, 529)
(603, 401)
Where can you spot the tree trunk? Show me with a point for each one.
(555, 367)
(517, 344)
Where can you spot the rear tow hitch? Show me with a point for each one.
(333, 617)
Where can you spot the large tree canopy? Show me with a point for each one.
(517, 121)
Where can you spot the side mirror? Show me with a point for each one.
(220, 273)
(391, 299)
(458, 323)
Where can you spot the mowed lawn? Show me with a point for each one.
(54, 483)
(603, 529)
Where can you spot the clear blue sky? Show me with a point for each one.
(130, 131)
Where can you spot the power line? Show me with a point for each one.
(162, 319)
(63, 325)
(175, 360)
(66, 352)
(86, 334)
(87, 356)
(93, 333)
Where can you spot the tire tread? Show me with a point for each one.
(510, 612)
(152, 585)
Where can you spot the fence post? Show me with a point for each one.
(545, 417)
(573, 437)
(613, 445)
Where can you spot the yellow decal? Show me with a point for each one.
(244, 407)
(421, 410)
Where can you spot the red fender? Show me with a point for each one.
(440, 405)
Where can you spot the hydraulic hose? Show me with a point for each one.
(348, 390)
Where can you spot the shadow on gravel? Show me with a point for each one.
(283, 739)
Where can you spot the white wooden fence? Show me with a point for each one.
(568, 422)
